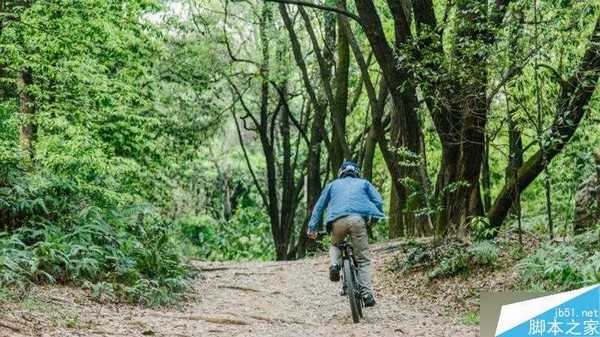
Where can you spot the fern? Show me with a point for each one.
(562, 266)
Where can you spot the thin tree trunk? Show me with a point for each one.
(540, 129)
(28, 129)
(485, 176)
(268, 144)
(287, 196)
(515, 143)
(369, 154)
(313, 180)
(515, 154)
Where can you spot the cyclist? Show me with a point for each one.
(350, 202)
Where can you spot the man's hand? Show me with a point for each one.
(311, 235)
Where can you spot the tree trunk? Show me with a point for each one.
(325, 61)
(396, 220)
(515, 143)
(340, 148)
(463, 149)
(367, 163)
(268, 144)
(288, 197)
(406, 127)
(28, 129)
(485, 176)
(313, 180)
(313, 183)
(515, 156)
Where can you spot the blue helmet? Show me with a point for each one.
(349, 168)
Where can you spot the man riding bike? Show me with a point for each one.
(350, 202)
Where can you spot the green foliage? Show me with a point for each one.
(139, 260)
(454, 264)
(480, 254)
(448, 259)
(418, 255)
(564, 265)
(6, 295)
(246, 236)
(481, 230)
(115, 124)
(130, 105)
(484, 253)
(471, 318)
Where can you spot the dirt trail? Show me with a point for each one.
(234, 299)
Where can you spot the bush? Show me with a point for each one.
(417, 255)
(140, 263)
(460, 261)
(246, 236)
(481, 230)
(563, 266)
(484, 253)
(448, 259)
(55, 232)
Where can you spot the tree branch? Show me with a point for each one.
(244, 106)
(321, 7)
(554, 72)
(254, 178)
(571, 108)
(293, 119)
(225, 37)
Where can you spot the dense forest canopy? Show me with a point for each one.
(463, 105)
(135, 133)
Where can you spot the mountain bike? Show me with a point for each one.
(350, 285)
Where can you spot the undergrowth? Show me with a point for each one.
(563, 265)
(448, 259)
(246, 236)
(128, 255)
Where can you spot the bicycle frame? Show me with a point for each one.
(347, 252)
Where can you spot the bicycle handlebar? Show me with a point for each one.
(320, 235)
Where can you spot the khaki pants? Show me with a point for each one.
(356, 227)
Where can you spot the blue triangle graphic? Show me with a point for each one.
(579, 316)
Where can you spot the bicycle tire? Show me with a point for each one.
(359, 298)
(351, 290)
(360, 305)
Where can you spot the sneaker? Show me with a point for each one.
(334, 273)
(369, 300)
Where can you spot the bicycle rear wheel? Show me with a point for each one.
(359, 298)
(352, 290)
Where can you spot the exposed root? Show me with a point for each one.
(216, 320)
(240, 288)
(239, 273)
(214, 268)
(10, 326)
(104, 333)
(280, 320)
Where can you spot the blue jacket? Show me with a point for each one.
(347, 196)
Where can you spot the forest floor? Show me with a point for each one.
(236, 299)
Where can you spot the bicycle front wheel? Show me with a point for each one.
(352, 290)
